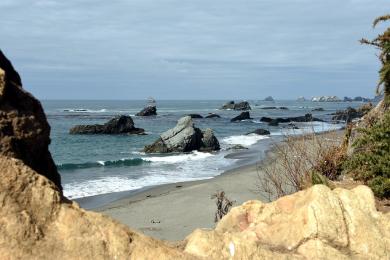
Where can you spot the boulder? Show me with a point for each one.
(212, 115)
(117, 125)
(242, 116)
(24, 131)
(194, 116)
(237, 147)
(184, 137)
(317, 223)
(269, 98)
(243, 105)
(148, 111)
(260, 132)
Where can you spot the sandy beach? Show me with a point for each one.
(173, 211)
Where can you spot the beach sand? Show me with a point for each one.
(173, 211)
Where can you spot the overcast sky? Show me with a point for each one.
(199, 49)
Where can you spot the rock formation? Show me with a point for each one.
(242, 116)
(260, 132)
(184, 137)
(117, 125)
(351, 113)
(195, 116)
(317, 223)
(243, 105)
(24, 131)
(148, 111)
(325, 99)
(269, 98)
(277, 121)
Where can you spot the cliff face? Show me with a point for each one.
(24, 131)
(37, 222)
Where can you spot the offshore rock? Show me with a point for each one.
(242, 116)
(148, 111)
(243, 105)
(117, 125)
(184, 137)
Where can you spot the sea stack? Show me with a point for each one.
(184, 137)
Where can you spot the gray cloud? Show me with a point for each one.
(176, 49)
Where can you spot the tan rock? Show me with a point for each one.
(317, 223)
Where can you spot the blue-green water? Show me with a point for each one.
(99, 164)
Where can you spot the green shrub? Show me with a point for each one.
(370, 161)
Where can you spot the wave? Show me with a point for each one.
(245, 140)
(83, 110)
(194, 156)
(114, 163)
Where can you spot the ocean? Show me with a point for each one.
(101, 164)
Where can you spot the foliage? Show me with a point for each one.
(370, 161)
(382, 42)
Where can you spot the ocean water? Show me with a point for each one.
(99, 164)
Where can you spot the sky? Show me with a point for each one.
(192, 49)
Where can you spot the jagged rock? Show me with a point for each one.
(195, 116)
(269, 98)
(117, 125)
(24, 131)
(212, 115)
(243, 105)
(242, 116)
(317, 223)
(148, 111)
(325, 99)
(260, 132)
(184, 137)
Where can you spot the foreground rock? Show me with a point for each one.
(277, 121)
(260, 131)
(184, 137)
(242, 116)
(24, 131)
(244, 105)
(317, 223)
(117, 125)
(148, 111)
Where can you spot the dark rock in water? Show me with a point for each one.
(351, 113)
(269, 98)
(318, 109)
(291, 126)
(244, 105)
(242, 116)
(269, 108)
(212, 115)
(260, 132)
(24, 130)
(117, 125)
(347, 99)
(361, 99)
(277, 121)
(184, 137)
(195, 116)
(148, 111)
(266, 119)
(238, 147)
(283, 108)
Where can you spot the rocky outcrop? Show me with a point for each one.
(269, 98)
(243, 105)
(301, 99)
(117, 125)
(184, 137)
(212, 115)
(326, 99)
(317, 223)
(148, 111)
(350, 113)
(277, 121)
(24, 131)
(195, 116)
(242, 116)
(260, 131)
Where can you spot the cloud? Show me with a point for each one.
(229, 46)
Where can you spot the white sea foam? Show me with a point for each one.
(194, 156)
(246, 140)
(83, 110)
